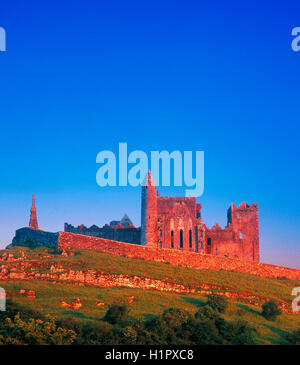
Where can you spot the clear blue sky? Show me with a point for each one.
(80, 77)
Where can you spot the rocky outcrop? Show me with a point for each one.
(59, 274)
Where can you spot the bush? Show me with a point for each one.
(175, 317)
(203, 332)
(34, 332)
(270, 310)
(240, 333)
(70, 323)
(217, 302)
(294, 337)
(98, 333)
(207, 312)
(117, 314)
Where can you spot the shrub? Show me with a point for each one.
(34, 332)
(240, 333)
(217, 302)
(71, 323)
(204, 332)
(117, 314)
(175, 317)
(98, 333)
(294, 337)
(128, 335)
(207, 312)
(270, 310)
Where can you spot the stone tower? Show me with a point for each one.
(149, 212)
(243, 220)
(33, 219)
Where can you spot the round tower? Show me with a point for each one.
(149, 212)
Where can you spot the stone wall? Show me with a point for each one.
(174, 257)
(118, 233)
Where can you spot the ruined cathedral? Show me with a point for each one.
(176, 223)
(173, 223)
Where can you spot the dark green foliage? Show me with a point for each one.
(117, 314)
(174, 317)
(294, 337)
(239, 333)
(98, 333)
(173, 327)
(207, 312)
(202, 332)
(71, 323)
(270, 310)
(217, 302)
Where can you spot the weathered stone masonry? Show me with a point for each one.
(176, 223)
(175, 257)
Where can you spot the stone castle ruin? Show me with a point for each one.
(173, 223)
(176, 223)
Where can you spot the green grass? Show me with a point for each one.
(149, 302)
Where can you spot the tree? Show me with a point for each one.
(270, 310)
(294, 337)
(217, 302)
(207, 312)
(98, 333)
(117, 314)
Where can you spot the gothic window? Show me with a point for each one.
(190, 238)
(196, 237)
(196, 245)
(160, 233)
(181, 238)
(172, 239)
(208, 241)
(201, 245)
(201, 233)
(216, 251)
(241, 234)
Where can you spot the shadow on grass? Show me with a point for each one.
(195, 301)
(82, 316)
(148, 316)
(248, 309)
(277, 330)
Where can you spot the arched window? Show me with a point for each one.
(191, 238)
(181, 238)
(196, 238)
(201, 233)
(202, 245)
(172, 239)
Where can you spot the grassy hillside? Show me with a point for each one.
(146, 302)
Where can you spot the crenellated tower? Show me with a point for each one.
(33, 223)
(149, 212)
